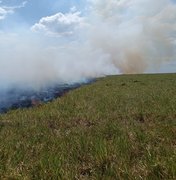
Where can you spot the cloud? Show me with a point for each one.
(3, 13)
(60, 24)
(5, 10)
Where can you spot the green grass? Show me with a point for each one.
(120, 127)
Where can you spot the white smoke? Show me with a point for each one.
(125, 36)
(136, 34)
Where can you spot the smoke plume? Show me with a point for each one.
(111, 37)
(136, 34)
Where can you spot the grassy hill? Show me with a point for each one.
(120, 127)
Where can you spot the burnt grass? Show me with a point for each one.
(15, 98)
(120, 127)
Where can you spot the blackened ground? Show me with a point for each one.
(15, 98)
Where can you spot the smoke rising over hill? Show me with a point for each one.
(111, 37)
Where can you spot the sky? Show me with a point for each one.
(78, 39)
(30, 11)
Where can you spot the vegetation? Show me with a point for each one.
(120, 127)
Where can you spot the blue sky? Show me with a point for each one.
(34, 10)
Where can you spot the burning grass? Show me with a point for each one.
(121, 127)
(16, 98)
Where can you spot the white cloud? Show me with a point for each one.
(60, 24)
(3, 13)
(5, 10)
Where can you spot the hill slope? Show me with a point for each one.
(119, 127)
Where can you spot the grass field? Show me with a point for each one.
(120, 127)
